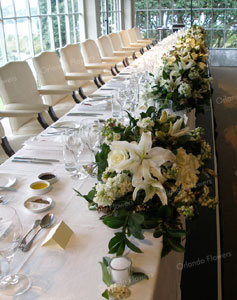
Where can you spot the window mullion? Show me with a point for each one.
(68, 37)
(16, 31)
(2, 35)
(50, 20)
(59, 27)
(30, 28)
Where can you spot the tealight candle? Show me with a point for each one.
(120, 268)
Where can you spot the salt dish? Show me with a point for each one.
(38, 204)
(40, 187)
(50, 177)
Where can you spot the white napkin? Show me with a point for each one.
(91, 106)
(46, 143)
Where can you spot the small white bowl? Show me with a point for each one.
(38, 204)
(47, 176)
(40, 187)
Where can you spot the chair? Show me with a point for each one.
(139, 36)
(54, 87)
(73, 64)
(19, 92)
(126, 41)
(92, 57)
(118, 45)
(11, 144)
(133, 38)
(107, 50)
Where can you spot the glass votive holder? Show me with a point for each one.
(120, 268)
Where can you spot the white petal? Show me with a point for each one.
(160, 155)
(145, 143)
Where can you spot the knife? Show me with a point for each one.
(108, 89)
(6, 188)
(35, 158)
(84, 114)
(32, 161)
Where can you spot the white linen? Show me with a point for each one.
(74, 273)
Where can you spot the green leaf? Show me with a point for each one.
(121, 248)
(89, 197)
(175, 245)
(134, 225)
(176, 233)
(107, 278)
(106, 260)
(105, 294)
(116, 243)
(158, 233)
(133, 247)
(114, 222)
(137, 218)
(138, 276)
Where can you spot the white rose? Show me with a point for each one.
(187, 178)
(182, 158)
(115, 157)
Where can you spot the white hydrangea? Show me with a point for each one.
(193, 74)
(114, 188)
(145, 123)
(184, 89)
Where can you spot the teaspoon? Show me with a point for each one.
(47, 221)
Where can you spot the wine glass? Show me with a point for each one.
(10, 238)
(72, 149)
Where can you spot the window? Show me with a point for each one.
(28, 27)
(218, 17)
(110, 16)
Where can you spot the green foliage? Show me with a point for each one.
(101, 159)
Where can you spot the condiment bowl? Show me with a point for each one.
(40, 187)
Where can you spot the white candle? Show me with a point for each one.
(120, 270)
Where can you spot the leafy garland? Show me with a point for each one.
(183, 75)
(134, 194)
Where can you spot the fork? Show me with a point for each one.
(23, 241)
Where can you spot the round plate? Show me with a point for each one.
(7, 180)
(38, 204)
(65, 124)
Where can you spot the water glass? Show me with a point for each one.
(116, 107)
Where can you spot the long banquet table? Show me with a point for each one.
(75, 273)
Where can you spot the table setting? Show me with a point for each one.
(96, 201)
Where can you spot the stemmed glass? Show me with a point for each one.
(72, 149)
(10, 238)
(90, 131)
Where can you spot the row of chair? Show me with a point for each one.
(76, 76)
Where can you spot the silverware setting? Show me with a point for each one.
(23, 241)
(5, 188)
(84, 114)
(36, 159)
(46, 222)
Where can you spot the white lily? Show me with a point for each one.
(143, 159)
(175, 128)
(151, 187)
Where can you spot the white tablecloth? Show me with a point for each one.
(75, 273)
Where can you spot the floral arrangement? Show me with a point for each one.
(183, 75)
(150, 173)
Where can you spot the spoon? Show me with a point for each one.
(23, 242)
(45, 223)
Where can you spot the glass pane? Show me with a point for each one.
(166, 4)
(7, 8)
(196, 17)
(218, 20)
(187, 18)
(218, 4)
(23, 36)
(153, 34)
(152, 4)
(140, 4)
(180, 4)
(61, 6)
(141, 20)
(71, 29)
(209, 33)
(230, 19)
(217, 39)
(154, 20)
(69, 3)
(231, 39)
(103, 23)
(231, 4)
(77, 28)
(20, 7)
(10, 36)
(55, 31)
(205, 18)
(102, 5)
(178, 17)
(166, 18)
(36, 35)
(195, 3)
(205, 3)
(53, 6)
(34, 7)
(63, 30)
(43, 6)
(45, 33)
(76, 7)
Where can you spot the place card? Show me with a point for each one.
(58, 236)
